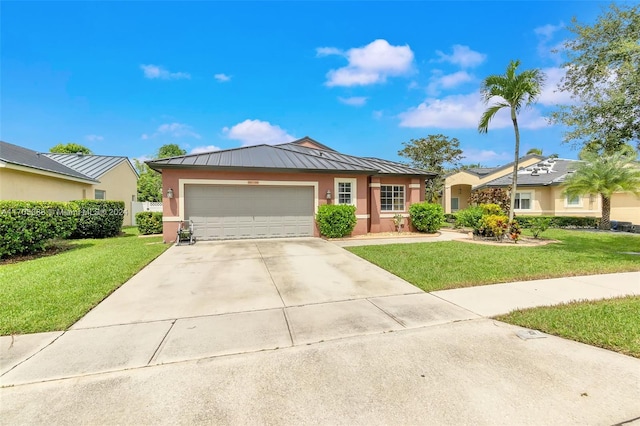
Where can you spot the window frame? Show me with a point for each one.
(457, 204)
(519, 200)
(354, 190)
(569, 204)
(393, 199)
(95, 194)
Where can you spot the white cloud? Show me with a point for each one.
(202, 149)
(545, 35)
(143, 158)
(255, 132)
(464, 112)
(176, 130)
(485, 156)
(222, 77)
(326, 51)
(157, 72)
(550, 95)
(354, 100)
(377, 114)
(370, 64)
(462, 56)
(447, 81)
(94, 138)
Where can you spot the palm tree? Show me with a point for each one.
(536, 151)
(604, 175)
(511, 91)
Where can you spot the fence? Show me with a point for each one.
(143, 206)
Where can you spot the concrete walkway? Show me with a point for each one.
(294, 353)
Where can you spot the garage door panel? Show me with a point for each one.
(232, 212)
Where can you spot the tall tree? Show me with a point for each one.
(433, 153)
(604, 175)
(150, 181)
(69, 148)
(513, 91)
(536, 151)
(603, 78)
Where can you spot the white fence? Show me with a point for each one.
(144, 206)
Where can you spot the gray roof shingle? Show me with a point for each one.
(20, 156)
(551, 171)
(287, 157)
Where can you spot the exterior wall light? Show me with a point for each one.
(328, 194)
(170, 193)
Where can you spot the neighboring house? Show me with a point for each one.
(275, 190)
(32, 176)
(540, 191)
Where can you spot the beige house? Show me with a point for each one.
(32, 176)
(539, 192)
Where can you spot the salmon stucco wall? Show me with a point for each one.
(325, 182)
(23, 186)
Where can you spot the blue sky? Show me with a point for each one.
(124, 78)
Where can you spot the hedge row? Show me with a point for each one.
(561, 221)
(336, 220)
(149, 222)
(27, 226)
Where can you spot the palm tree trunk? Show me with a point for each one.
(515, 164)
(605, 222)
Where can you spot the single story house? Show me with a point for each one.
(28, 175)
(274, 190)
(540, 191)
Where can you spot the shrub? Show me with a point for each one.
(494, 225)
(27, 226)
(538, 225)
(450, 217)
(98, 218)
(562, 221)
(492, 209)
(149, 222)
(499, 196)
(514, 231)
(335, 221)
(469, 217)
(426, 217)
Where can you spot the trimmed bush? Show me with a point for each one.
(149, 222)
(561, 221)
(426, 217)
(492, 209)
(336, 221)
(98, 218)
(469, 217)
(27, 226)
(493, 225)
(450, 217)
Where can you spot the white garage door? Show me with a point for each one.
(229, 212)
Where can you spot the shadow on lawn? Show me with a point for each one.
(53, 249)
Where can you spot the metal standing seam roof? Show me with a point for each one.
(286, 156)
(20, 156)
(546, 175)
(90, 165)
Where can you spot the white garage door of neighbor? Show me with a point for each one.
(229, 212)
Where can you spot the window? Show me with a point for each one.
(455, 204)
(523, 201)
(392, 198)
(574, 201)
(100, 194)
(345, 191)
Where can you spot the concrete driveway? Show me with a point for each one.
(300, 331)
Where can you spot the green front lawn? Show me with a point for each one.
(452, 264)
(51, 293)
(610, 324)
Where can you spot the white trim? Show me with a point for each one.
(404, 198)
(47, 173)
(414, 186)
(374, 185)
(531, 199)
(354, 189)
(391, 216)
(183, 182)
(171, 219)
(363, 216)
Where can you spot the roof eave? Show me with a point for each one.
(159, 167)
